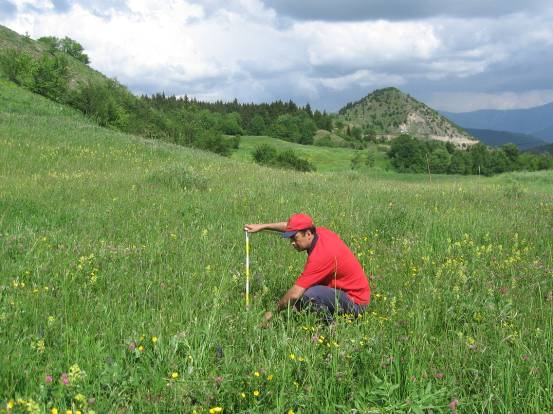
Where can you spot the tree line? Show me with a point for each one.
(410, 155)
(283, 120)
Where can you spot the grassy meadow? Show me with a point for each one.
(122, 280)
(325, 159)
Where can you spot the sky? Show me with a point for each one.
(454, 55)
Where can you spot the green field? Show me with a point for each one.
(122, 280)
(325, 159)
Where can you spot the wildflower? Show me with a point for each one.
(48, 379)
(174, 375)
(242, 395)
(132, 346)
(141, 348)
(439, 375)
(453, 404)
(154, 339)
(80, 398)
(256, 373)
(292, 356)
(64, 379)
(290, 411)
(51, 320)
(53, 410)
(76, 373)
(215, 410)
(68, 412)
(269, 377)
(10, 405)
(256, 393)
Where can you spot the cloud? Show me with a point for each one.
(472, 101)
(250, 50)
(359, 10)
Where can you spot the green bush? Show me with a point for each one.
(264, 154)
(267, 155)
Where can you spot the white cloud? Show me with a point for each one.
(362, 78)
(367, 43)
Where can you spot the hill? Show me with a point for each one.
(498, 138)
(537, 121)
(78, 71)
(389, 112)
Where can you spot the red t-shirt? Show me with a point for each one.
(331, 263)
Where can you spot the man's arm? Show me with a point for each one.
(289, 298)
(293, 294)
(254, 228)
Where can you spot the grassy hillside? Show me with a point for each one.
(325, 159)
(122, 277)
(78, 71)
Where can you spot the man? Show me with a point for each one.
(332, 280)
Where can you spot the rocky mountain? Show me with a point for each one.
(389, 112)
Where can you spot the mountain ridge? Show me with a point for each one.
(498, 138)
(536, 121)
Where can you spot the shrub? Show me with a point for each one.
(267, 155)
(264, 154)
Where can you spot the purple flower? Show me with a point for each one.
(48, 379)
(64, 378)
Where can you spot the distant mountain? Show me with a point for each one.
(537, 121)
(544, 148)
(389, 112)
(498, 138)
(546, 134)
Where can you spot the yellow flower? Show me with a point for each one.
(256, 393)
(269, 377)
(53, 410)
(242, 395)
(68, 412)
(256, 373)
(10, 404)
(290, 411)
(141, 348)
(175, 375)
(292, 356)
(215, 410)
(154, 339)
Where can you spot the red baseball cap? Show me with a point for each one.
(297, 222)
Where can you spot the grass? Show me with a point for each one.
(122, 277)
(325, 159)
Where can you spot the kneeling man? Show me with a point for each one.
(332, 280)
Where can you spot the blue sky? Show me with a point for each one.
(452, 55)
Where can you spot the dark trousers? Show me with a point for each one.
(328, 301)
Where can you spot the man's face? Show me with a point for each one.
(302, 240)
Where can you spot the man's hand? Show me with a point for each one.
(266, 319)
(253, 228)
